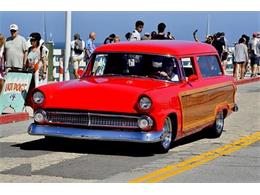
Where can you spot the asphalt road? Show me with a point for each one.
(27, 158)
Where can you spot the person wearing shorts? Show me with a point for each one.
(77, 53)
(254, 48)
(240, 58)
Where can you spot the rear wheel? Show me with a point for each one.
(165, 144)
(217, 129)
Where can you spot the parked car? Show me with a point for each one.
(143, 91)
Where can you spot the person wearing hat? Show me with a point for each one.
(15, 50)
(77, 53)
(37, 59)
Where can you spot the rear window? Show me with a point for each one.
(209, 66)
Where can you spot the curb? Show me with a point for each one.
(14, 117)
(241, 82)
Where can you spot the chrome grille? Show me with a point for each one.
(72, 118)
(93, 119)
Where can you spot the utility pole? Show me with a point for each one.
(44, 28)
(208, 26)
(67, 45)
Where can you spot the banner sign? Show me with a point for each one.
(15, 90)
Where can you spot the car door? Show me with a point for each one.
(193, 98)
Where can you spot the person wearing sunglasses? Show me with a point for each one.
(15, 50)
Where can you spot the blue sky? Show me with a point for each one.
(181, 24)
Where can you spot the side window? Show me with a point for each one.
(209, 66)
(188, 66)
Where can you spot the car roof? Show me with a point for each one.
(159, 47)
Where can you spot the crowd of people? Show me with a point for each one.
(18, 54)
(81, 52)
(246, 52)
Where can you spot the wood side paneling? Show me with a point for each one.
(199, 105)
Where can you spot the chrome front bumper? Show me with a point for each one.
(91, 134)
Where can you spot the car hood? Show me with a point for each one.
(108, 94)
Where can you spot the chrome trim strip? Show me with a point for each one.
(91, 134)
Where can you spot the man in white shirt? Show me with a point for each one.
(136, 36)
(77, 53)
(16, 50)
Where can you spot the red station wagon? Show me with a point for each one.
(143, 91)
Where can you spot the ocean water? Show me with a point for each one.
(61, 45)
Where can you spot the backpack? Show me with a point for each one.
(78, 49)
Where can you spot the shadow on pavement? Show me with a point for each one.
(193, 138)
(88, 147)
(103, 147)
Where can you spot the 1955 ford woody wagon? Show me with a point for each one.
(143, 91)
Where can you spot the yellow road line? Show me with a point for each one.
(174, 169)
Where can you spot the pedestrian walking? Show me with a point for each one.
(128, 36)
(15, 50)
(254, 52)
(219, 43)
(110, 39)
(240, 58)
(90, 46)
(208, 39)
(153, 34)
(170, 36)
(136, 36)
(116, 39)
(37, 60)
(161, 34)
(77, 53)
(2, 68)
(247, 38)
(146, 36)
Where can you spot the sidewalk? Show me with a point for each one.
(247, 79)
(13, 117)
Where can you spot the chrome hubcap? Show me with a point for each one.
(220, 122)
(167, 133)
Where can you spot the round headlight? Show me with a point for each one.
(145, 103)
(38, 97)
(145, 123)
(40, 116)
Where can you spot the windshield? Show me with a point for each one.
(139, 65)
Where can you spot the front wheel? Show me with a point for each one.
(218, 126)
(165, 144)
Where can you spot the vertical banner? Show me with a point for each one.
(15, 90)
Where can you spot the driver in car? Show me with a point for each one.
(165, 69)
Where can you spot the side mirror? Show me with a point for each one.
(192, 77)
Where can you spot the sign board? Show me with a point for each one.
(15, 90)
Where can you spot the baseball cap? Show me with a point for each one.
(13, 27)
(254, 34)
